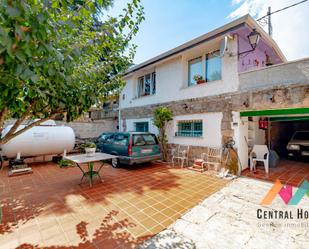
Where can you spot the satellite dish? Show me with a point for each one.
(224, 46)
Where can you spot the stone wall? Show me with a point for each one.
(292, 96)
(88, 130)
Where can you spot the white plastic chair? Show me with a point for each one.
(259, 153)
(214, 158)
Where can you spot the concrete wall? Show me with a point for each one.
(130, 125)
(85, 130)
(211, 130)
(295, 72)
(172, 78)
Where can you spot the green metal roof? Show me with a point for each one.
(275, 112)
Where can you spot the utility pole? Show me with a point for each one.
(270, 27)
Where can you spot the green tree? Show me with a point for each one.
(161, 117)
(61, 57)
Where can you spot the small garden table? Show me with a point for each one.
(80, 159)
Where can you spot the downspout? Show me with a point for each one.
(119, 113)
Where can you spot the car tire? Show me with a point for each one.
(115, 163)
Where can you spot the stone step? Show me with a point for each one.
(196, 169)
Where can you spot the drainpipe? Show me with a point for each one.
(119, 113)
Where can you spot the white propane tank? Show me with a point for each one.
(45, 139)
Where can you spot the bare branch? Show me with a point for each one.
(38, 122)
(17, 124)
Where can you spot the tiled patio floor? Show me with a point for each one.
(49, 209)
(289, 172)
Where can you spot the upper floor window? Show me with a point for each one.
(146, 85)
(212, 72)
(213, 66)
(195, 69)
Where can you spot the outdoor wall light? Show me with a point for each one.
(253, 38)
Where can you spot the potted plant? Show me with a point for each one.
(199, 79)
(90, 148)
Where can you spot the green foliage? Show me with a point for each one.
(62, 56)
(88, 145)
(161, 116)
(64, 163)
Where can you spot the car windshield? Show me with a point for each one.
(301, 135)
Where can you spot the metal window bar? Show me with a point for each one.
(190, 128)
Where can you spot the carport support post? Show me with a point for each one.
(268, 132)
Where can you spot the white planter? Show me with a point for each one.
(90, 151)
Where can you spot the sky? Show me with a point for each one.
(170, 23)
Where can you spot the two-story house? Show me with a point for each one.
(209, 83)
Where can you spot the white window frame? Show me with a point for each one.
(141, 85)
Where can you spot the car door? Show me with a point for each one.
(107, 143)
(120, 144)
(100, 141)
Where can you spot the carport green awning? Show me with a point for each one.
(289, 118)
(275, 112)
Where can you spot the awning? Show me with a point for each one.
(276, 112)
(289, 118)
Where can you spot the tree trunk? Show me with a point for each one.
(10, 135)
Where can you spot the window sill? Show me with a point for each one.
(201, 137)
(144, 96)
(202, 84)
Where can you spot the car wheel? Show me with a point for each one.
(115, 162)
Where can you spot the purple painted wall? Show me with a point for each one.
(252, 60)
(256, 59)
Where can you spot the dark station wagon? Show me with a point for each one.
(130, 147)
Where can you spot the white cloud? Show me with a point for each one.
(290, 28)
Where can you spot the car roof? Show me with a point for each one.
(127, 132)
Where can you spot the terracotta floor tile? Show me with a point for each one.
(130, 205)
(159, 217)
(156, 229)
(167, 222)
(150, 211)
(149, 222)
(159, 206)
(287, 171)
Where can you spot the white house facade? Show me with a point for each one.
(206, 82)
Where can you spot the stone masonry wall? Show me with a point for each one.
(291, 96)
(88, 130)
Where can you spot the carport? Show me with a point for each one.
(274, 128)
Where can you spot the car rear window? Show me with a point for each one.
(144, 139)
(138, 140)
(301, 135)
(150, 139)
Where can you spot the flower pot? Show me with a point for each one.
(200, 81)
(90, 151)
